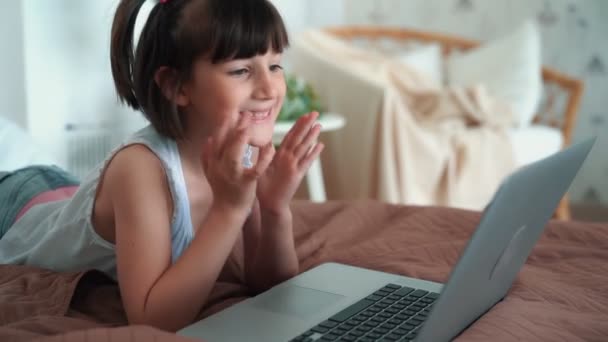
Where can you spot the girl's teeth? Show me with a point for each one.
(257, 115)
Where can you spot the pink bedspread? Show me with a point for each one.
(561, 293)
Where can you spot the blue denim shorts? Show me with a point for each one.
(17, 188)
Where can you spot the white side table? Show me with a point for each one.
(314, 178)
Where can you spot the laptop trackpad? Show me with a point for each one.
(295, 300)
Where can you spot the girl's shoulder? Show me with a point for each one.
(135, 179)
(145, 165)
(134, 161)
(143, 150)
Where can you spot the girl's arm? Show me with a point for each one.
(270, 255)
(154, 291)
(273, 258)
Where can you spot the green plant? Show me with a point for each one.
(300, 99)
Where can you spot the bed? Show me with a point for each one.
(559, 295)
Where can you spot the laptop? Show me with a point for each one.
(337, 302)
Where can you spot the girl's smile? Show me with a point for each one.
(258, 116)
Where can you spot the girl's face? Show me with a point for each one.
(225, 91)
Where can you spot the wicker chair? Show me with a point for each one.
(561, 98)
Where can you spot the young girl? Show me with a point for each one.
(163, 212)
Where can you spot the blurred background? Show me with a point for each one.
(56, 83)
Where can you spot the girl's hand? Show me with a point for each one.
(233, 185)
(298, 150)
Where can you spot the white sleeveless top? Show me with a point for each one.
(60, 236)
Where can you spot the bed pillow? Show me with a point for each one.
(426, 59)
(510, 68)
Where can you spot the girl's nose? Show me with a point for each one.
(265, 85)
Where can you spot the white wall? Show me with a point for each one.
(300, 15)
(293, 12)
(12, 81)
(67, 69)
(326, 12)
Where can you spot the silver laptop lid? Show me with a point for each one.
(509, 228)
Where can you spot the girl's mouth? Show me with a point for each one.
(257, 116)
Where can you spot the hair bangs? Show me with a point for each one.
(246, 28)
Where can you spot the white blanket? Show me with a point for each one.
(18, 149)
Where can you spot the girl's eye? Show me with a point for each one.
(276, 67)
(239, 72)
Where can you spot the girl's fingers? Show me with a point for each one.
(235, 149)
(219, 139)
(308, 142)
(299, 130)
(236, 145)
(228, 133)
(233, 141)
(287, 136)
(241, 125)
(243, 121)
(265, 157)
(304, 163)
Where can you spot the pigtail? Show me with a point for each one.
(121, 50)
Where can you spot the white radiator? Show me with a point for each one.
(87, 146)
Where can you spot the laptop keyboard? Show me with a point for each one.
(392, 313)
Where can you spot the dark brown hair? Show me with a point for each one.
(176, 34)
